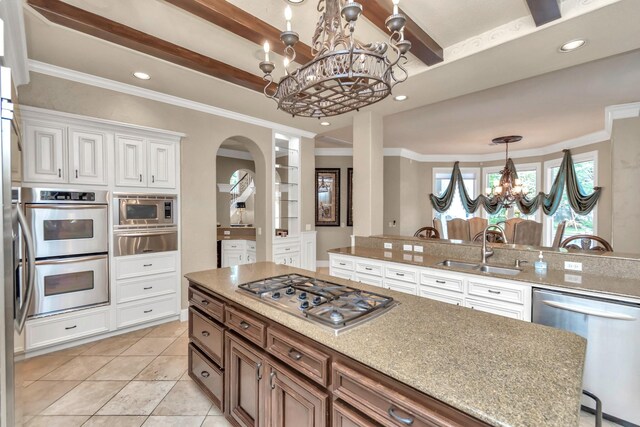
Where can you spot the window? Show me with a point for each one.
(441, 179)
(529, 174)
(586, 166)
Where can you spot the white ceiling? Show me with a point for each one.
(487, 44)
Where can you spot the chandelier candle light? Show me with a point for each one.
(509, 189)
(344, 75)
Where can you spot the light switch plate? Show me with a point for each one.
(388, 245)
(388, 255)
(227, 233)
(407, 257)
(573, 266)
(417, 248)
(308, 227)
(573, 278)
(418, 258)
(407, 248)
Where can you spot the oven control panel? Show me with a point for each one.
(75, 196)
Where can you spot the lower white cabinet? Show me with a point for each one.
(146, 287)
(396, 285)
(369, 279)
(441, 295)
(145, 310)
(238, 252)
(53, 330)
(494, 307)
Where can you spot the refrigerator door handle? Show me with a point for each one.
(21, 315)
(588, 311)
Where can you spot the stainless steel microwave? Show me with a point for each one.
(142, 210)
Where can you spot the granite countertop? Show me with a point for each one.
(250, 238)
(629, 288)
(503, 371)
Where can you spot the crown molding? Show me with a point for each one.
(234, 154)
(15, 41)
(101, 82)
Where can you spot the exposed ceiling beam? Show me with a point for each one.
(422, 45)
(232, 18)
(78, 19)
(544, 11)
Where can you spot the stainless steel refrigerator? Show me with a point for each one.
(16, 257)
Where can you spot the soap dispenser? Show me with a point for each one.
(540, 266)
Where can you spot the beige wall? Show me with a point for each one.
(626, 176)
(334, 237)
(198, 150)
(307, 184)
(225, 167)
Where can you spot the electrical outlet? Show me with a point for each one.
(259, 231)
(407, 257)
(417, 248)
(388, 245)
(227, 233)
(407, 248)
(573, 278)
(418, 258)
(308, 227)
(574, 266)
(388, 255)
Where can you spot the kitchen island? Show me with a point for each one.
(496, 371)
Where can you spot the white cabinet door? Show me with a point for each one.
(495, 307)
(162, 164)
(131, 161)
(251, 257)
(231, 258)
(407, 288)
(87, 157)
(44, 153)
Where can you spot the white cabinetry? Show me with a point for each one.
(87, 158)
(238, 252)
(162, 164)
(287, 251)
(145, 163)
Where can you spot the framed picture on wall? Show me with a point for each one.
(350, 197)
(328, 197)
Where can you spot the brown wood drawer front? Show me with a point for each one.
(390, 407)
(246, 325)
(343, 416)
(207, 376)
(207, 334)
(307, 360)
(210, 305)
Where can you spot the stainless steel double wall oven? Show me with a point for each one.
(144, 223)
(70, 233)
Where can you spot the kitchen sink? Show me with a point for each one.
(459, 264)
(499, 270)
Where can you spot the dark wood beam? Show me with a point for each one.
(232, 18)
(422, 45)
(89, 23)
(544, 11)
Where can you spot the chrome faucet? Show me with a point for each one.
(488, 252)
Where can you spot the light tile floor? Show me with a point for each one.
(131, 380)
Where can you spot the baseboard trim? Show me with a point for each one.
(184, 315)
(323, 263)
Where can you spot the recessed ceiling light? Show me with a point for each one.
(572, 45)
(141, 75)
(295, 1)
(325, 124)
(401, 98)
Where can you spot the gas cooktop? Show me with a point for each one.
(327, 303)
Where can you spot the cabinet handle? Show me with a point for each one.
(147, 265)
(295, 354)
(392, 413)
(148, 287)
(287, 249)
(285, 261)
(258, 373)
(342, 263)
(140, 177)
(491, 291)
(368, 268)
(76, 173)
(71, 327)
(240, 258)
(59, 173)
(400, 274)
(205, 333)
(290, 260)
(153, 178)
(204, 302)
(272, 375)
(442, 282)
(148, 311)
(205, 374)
(244, 325)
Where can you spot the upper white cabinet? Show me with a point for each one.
(145, 163)
(44, 153)
(87, 157)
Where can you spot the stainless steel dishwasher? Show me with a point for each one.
(612, 330)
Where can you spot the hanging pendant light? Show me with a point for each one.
(509, 188)
(344, 75)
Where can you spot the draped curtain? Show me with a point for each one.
(580, 202)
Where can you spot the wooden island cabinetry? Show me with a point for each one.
(262, 374)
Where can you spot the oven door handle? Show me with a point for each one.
(71, 260)
(67, 206)
(145, 233)
(21, 315)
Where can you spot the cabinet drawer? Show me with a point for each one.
(143, 265)
(286, 249)
(369, 268)
(309, 361)
(497, 291)
(146, 310)
(209, 305)
(230, 245)
(246, 325)
(442, 282)
(206, 375)
(494, 307)
(369, 280)
(145, 287)
(60, 329)
(383, 404)
(343, 274)
(344, 416)
(407, 288)
(344, 263)
(251, 245)
(207, 334)
(401, 273)
(440, 295)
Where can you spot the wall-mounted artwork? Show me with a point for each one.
(328, 197)
(350, 197)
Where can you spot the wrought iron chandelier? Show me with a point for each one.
(509, 188)
(344, 75)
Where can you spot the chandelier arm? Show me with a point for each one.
(269, 79)
(404, 72)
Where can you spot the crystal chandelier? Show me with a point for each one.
(344, 75)
(508, 189)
